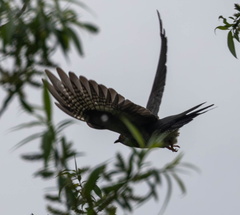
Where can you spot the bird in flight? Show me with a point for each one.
(103, 108)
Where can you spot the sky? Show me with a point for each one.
(124, 56)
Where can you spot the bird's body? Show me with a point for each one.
(103, 108)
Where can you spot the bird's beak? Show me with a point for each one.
(117, 141)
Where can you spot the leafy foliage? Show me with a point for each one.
(104, 189)
(101, 189)
(54, 149)
(233, 28)
(29, 35)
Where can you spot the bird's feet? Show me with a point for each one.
(173, 147)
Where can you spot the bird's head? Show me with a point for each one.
(120, 139)
(127, 141)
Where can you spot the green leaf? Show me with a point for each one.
(131, 164)
(28, 139)
(179, 182)
(44, 173)
(113, 188)
(63, 40)
(222, 28)
(152, 191)
(191, 166)
(236, 36)
(63, 124)
(47, 143)
(111, 210)
(52, 198)
(77, 2)
(157, 140)
(76, 40)
(47, 103)
(231, 45)
(26, 125)
(120, 162)
(6, 102)
(106, 202)
(92, 180)
(174, 163)
(134, 131)
(27, 107)
(156, 176)
(140, 177)
(126, 204)
(224, 21)
(91, 28)
(55, 211)
(7, 30)
(87, 26)
(168, 195)
(98, 191)
(32, 157)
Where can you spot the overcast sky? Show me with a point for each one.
(124, 56)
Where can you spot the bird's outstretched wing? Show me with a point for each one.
(99, 106)
(156, 94)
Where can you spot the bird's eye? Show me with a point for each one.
(104, 117)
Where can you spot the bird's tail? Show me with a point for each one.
(177, 121)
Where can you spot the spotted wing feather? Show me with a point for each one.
(88, 101)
